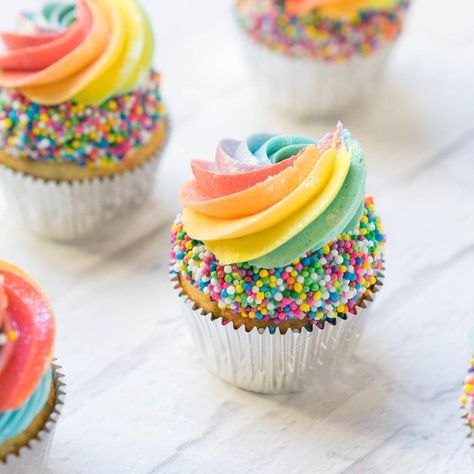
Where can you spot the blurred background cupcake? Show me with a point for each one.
(81, 117)
(276, 254)
(30, 385)
(315, 58)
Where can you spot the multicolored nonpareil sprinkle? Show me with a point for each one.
(96, 137)
(467, 398)
(7, 336)
(321, 285)
(311, 35)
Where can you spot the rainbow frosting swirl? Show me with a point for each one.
(270, 199)
(101, 50)
(27, 331)
(277, 228)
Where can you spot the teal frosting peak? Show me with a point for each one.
(278, 148)
(52, 16)
(14, 422)
(263, 149)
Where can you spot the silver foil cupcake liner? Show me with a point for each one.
(33, 457)
(68, 210)
(308, 88)
(263, 362)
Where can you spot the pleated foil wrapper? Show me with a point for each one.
(70, 210)
(276, 363)
(33, 458)
(307, 88)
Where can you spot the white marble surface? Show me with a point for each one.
(139, 401)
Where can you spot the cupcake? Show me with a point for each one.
(276, 254)
(82, 123)
(31, 394)
(467, 401)
(316, 58)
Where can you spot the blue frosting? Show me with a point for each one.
(14, 422)
(263, 149)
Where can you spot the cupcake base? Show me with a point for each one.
(260, 361)
(31, 451)
(307, 88)
(70, 209)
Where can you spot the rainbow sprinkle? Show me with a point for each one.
(322, 285)
(467, 398)
(96, 137)
(312, 35)
(7, 336)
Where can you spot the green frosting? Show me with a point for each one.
(342, 214)
(352, 226)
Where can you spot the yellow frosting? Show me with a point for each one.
(129, 41)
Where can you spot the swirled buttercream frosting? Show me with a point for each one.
(27, 331)
(270, 199)
(86, 53)
(278, 228)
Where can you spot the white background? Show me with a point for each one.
(138, 398)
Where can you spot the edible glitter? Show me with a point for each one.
(92, 136)
(322, 285)
(311, 35)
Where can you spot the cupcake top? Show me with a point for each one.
(76, 84)
(278, 227)
(329, 30)
(467, 398)
(27, 332)
(106, 51)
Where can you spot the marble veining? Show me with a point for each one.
(140, 402)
